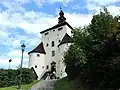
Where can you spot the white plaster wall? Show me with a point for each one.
(68, 30)
(61, 65)
(34, 60)
(52, 36)
(55, 36)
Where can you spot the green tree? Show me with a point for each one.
(96, 48)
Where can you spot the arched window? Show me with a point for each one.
(53, 44)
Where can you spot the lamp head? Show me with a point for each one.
(23, 47)
(10, 60)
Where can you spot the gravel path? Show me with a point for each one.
(44, 85)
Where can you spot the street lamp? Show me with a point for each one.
(10, 62)
(22, 49)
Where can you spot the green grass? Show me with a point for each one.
(24, 87)
(65, 84)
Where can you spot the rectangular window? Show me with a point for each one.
(53, 44)
(59, 41)
(60, 28)
(38, 55)
(53, 53)
(42, 66)
(47, 67)
(47, 45)
(46, 33)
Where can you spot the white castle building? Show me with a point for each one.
(48, 56)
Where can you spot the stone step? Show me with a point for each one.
(44, 85)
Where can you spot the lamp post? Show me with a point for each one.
(10, 62)
(22, 49)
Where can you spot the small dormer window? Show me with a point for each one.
(46, 33)
(60, 28)
(53, 44)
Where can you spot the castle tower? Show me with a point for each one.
(36, 59)
(52, 40)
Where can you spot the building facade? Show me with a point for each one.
(50, 52)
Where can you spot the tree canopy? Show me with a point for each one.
(95, 52)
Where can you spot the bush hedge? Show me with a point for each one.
(11, 77)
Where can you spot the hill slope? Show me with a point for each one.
(66, 84)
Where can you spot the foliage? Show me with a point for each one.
(11, 77)
(24, 87)
(64, 84)
(95, 52)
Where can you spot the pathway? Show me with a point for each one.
(44, 85)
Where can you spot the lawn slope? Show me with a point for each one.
(24, 87)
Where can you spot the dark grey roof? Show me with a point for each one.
(66, 39)
(38, 49)
(56, 26)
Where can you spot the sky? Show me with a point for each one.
(21, 21)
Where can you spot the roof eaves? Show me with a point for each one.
(56, 26)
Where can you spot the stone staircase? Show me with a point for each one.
(44, 85)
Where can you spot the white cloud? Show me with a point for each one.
(102, 2)
(77, 20)
(3, 35)
(114, 10)
(93, 8)
(42, 2)
(31, 22)
(95, 5)
(40, 21)
(4, 63)
(14, 5)
(63, 1)
(16, 53)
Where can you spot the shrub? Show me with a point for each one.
(11, 77)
